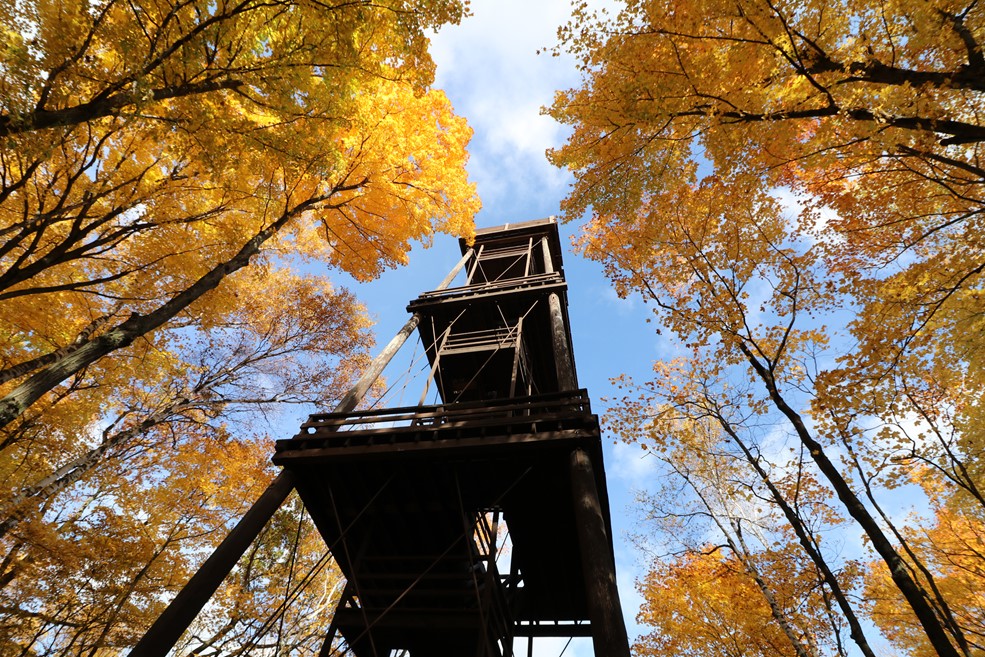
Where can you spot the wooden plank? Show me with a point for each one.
(543, 399)
(463, 409)
(431, 433)
(550, 439)
(504, 413)
(426, 436)
(514, 288)
(505, 424)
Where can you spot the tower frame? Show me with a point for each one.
(410, 499)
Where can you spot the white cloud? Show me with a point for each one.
(490, 69)
(624, 306)
(632, 465)
(793, 205)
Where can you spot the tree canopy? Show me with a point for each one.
(798, 188)
(177, 178)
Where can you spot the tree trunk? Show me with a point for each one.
(123, 334)
(914, 595)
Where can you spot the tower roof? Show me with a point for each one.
(535, 228)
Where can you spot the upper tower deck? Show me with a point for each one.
(495, 337)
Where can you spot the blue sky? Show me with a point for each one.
(490, 69)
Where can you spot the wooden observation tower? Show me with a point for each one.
(412, 501)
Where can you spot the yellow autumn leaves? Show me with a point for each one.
(797, 187)
(177, 179)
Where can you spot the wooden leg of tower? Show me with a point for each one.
(328, 648)
(604, 609)
(178, 615)
(333, 628)
(566, 378)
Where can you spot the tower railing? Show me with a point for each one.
(510, 284)
(458, 414)
(545, 413)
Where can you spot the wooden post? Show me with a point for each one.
(563, 362)
(517, 350)
(454, 271)
(434, 367)
(180, 613)
(475, 265)
(548, 260)
(604, 610)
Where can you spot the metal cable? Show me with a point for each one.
(317, 568)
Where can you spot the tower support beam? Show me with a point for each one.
(604, 610)
(178, 615)
(563, 362)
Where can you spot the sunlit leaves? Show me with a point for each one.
(709, 603)
(797, 187)
(162, 164)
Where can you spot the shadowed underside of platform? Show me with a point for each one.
(401, 506)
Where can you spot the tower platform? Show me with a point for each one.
(404, 496)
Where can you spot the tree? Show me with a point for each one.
(952, 544)
(177, 458)
(867, 109)
(165, 167)
(256, 359)
(709, 604)
(188, 136)
(755, 502)
(695, 122)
